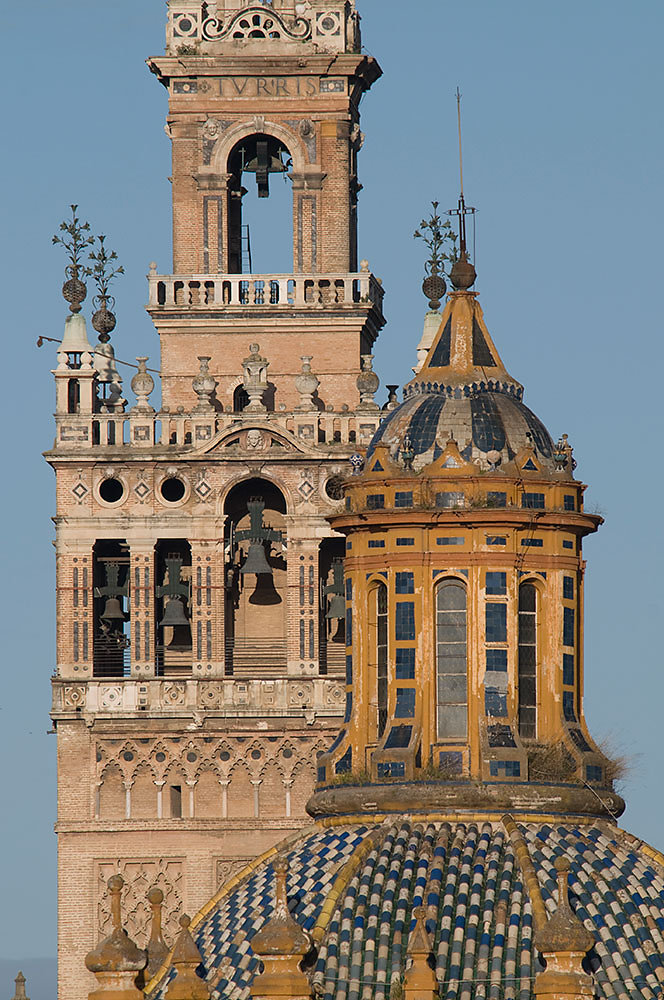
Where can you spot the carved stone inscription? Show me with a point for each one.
(273, 86)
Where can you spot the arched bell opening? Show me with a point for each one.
(260, 206)
(111, 611)
(256, 585)
(332, 631)
(173, 607)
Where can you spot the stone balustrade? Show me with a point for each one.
(163, 429)
(226, 292)
(284, 696)
(195, 24)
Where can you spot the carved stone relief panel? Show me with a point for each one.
(140, 875)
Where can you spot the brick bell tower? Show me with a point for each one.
(200, 643)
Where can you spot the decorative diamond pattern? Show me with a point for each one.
(203, 489)
(80, 491)
(142, 490)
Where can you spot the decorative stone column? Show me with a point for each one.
(116, 961)
(281, 945)
(563, 942)
(141, 588)
(207, 607)
(157, 947)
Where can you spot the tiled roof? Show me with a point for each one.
(478, 911)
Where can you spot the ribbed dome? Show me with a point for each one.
(479, 909)
(478, 418)
(463, 391)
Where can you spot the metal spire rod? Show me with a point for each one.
(458, 98)
(461, 211)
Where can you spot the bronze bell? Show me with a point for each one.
(113, 610)
(256, 561)
(337, 608)
(174, 614)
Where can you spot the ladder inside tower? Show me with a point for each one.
(246, 250)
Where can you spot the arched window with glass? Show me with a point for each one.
(378, 641)
(451, 661)
(527, 666)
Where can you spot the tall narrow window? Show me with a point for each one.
(451, 659)
(527, 661)
(381, 656)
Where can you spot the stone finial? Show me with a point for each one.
(367, 384)
(116, 960)
(563, 942)
(281, 944)
(19, 993)
(420, 981)
(255, 379)
(186, 958)
(392, 401)
(142, 385)
(204, 385)
(157, 947)
(407, 453)
(306, 384)
(563, 455)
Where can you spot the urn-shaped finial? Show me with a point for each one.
(306, 384)
(142, 385)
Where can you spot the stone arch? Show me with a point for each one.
(272, 794)
(143, 793)
(229, 140)
(208, 794)
(275, 481)
(304, 779)
(112, 793)
(240, 793)
(175, 794)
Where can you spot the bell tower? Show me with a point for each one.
(254, 94)
(200, 617)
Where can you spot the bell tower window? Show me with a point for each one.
(260, 236)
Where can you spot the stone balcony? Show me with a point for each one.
(300, 698)
(233, 293)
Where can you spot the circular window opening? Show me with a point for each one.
(334, 488)
(172, 489)
(111, 490)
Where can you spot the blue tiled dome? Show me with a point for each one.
(478, 909)
(480, 419)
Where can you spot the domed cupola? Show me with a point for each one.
(463, 391)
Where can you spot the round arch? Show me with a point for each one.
(255, 483)
(227, 142)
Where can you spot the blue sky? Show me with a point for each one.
(563, 149)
